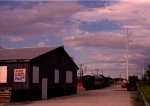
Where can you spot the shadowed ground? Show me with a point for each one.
(110, 96)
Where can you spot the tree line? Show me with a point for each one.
(146, 76)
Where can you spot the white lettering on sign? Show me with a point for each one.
(19, 75)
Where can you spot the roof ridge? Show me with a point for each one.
(25, 53)
(29, 47)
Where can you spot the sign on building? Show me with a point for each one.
(19, 75)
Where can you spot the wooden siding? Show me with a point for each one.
(57, 59)
(10, 75)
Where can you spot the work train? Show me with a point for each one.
(95, 81)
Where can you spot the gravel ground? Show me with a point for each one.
(111, 96)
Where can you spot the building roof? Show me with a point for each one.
(24, 53)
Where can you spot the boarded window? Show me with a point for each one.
(3, 74)
(68, 76)
(19, 75)
(56, 78)
(35, 75)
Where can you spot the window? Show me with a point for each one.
(68, 76)
(35, 75)
(3, 74)
(56, 76)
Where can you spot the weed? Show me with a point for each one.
(137, 99)
(145, 90)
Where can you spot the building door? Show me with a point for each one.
(44, 88)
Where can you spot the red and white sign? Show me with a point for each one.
(19, 75)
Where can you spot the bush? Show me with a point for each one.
(146, 76)
(133, 79)
(145, 90)
(137, 100)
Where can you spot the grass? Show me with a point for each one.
(145, 90)
(137, 99)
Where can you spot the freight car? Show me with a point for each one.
(94, 81)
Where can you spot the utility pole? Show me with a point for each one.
(120, 76)
(143, 68)
(127, 61)
(85, 69)
(97, 71)
(81, 71)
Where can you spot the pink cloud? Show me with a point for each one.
(40, 44)
(105, 57)
(125, 12)
(106, 50)
(101, 40)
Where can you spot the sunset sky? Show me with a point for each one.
(92, 31)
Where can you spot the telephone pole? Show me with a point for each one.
(85, 69)
(127, 61)
(81, 71)
(143, 68)
(97, 71)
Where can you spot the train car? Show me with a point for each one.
(90, 81)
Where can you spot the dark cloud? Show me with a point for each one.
(95, 3)
(42, 19)
(19, 4)
(105, 25)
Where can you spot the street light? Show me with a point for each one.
(127, 47)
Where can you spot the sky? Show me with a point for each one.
(93, 32)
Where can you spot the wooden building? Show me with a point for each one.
(37, 73)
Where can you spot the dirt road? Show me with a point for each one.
(111, 96)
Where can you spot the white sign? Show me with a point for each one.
(19, 75)
(3, 74)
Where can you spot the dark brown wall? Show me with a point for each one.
(57, 59)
